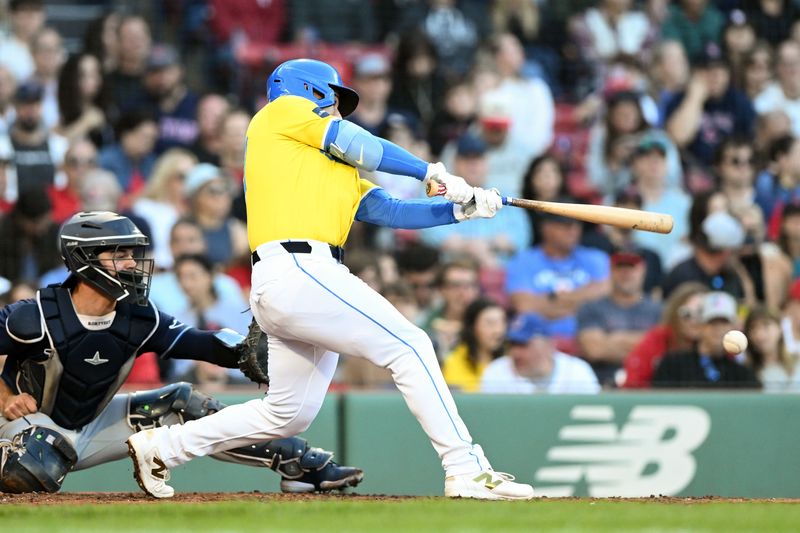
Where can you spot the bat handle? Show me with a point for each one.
(434, 188)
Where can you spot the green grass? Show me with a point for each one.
(415, 515)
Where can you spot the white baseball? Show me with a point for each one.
(734, 342)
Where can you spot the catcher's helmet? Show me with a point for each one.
(84, 236)
(313, 80)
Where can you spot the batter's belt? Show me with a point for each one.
(303, 247)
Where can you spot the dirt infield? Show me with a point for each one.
(78, 498)
(116, 498)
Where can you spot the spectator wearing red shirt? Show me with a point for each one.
(236, 24)
(81, 157)
(259, 21)
(679, 330)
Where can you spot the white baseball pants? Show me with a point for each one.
(313, 308)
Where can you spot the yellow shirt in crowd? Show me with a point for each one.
(458, 371)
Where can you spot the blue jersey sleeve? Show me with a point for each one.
(349, 142)
(379, 208)
(397, 160)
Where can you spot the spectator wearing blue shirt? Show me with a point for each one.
(554, 279)
(489, 241)
(710, 109)
(186, 238)
(131, 158)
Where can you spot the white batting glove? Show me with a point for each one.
(484, 204)
(455, 188)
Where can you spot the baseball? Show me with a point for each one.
(734, 342)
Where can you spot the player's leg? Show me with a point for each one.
(103, 439)
(299, 378)
(35, 454)
(300, 374)
(302, 468)
(344, 314)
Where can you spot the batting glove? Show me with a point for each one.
(453, 188)
(484, 204)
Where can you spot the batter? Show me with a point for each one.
(303, 192)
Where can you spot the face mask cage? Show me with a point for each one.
(115, 274)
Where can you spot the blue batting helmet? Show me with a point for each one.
(313, 80)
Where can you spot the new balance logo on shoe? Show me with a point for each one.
(159, 472)
(487, 485)
(487, 480)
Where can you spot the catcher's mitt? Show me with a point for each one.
(254, 354)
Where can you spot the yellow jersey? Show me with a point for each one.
(293, 188)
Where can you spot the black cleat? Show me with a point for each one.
(329, 477)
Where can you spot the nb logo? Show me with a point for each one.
(487, 480)
(96, 360)
(649, 453)
(160, 471)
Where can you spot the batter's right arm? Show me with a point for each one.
(354, 145)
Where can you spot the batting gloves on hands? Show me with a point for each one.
(484, 204)
(455, 188)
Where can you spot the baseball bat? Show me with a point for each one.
(619, 217)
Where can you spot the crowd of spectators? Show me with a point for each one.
(689, 107)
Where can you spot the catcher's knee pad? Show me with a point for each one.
(147, 409)
(35, 460)
(290, 457)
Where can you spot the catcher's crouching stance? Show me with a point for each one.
(71, 348)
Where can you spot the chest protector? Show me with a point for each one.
(85, 368)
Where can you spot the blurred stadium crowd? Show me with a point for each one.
(689, 107)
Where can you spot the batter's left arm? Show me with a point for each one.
(379, 208)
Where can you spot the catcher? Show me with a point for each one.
(71, 348)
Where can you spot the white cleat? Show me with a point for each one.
(149, 470)
(487, 485)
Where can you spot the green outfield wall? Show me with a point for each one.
(616, 444)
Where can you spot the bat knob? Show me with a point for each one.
(434, 188)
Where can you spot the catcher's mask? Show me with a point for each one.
(125, 273)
